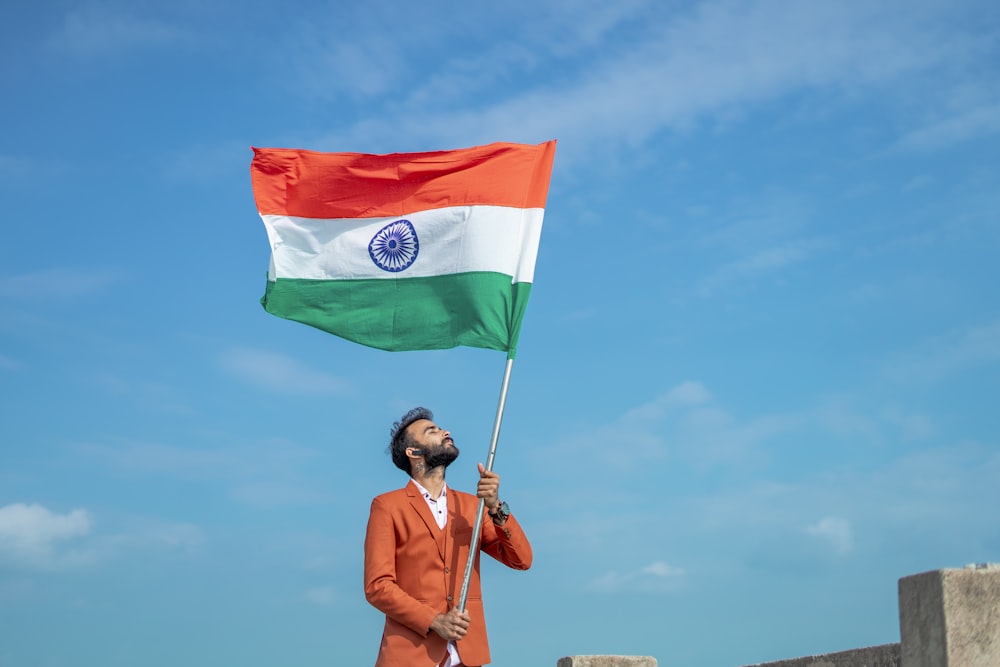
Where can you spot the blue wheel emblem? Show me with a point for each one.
(395, 246)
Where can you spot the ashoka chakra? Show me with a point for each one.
(395, 246)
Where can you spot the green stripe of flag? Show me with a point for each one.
(478, 309)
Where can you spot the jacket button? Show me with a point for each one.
(449, 598)
(447, 570)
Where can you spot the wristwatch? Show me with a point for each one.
(500, 516)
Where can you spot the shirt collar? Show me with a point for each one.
(427, 494)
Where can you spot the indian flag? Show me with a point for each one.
(407, 251)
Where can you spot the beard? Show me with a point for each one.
(441, 455)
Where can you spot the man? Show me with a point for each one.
(417, 547)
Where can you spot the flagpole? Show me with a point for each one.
(478, 527)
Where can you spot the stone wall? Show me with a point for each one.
(607, 661)
(951, 618)
(947, 618)
(886, 655)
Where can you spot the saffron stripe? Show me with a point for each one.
(309, 184)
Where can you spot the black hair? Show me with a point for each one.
(399, 440)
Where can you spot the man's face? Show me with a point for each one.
(436, 443)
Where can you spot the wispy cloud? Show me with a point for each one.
(751, 239)
(392, 48)
(35, 538)
(947, 354)
(683, 424)
(57, 283)
(676, 70)
(965, 125)
(208, 164)
(836, 532)
(146, 457)
(686, 394)
(760, 263)
(152, 535)
(244, 459)
(911, 425)
(801, 489)
(657, 577)
(31, 172)
(277, 493)
(931, 498)
(327, 66)
(10, 165)
(269, 474)
(102, 29)
(323, 596)
(149, 394)
(280, 373)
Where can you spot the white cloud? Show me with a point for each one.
(657, 577)
(661, 569)
(836, 532)
(279, 373)
(33, 537)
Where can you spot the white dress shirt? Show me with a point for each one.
(439, 508)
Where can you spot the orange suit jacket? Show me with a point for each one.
(414, 571)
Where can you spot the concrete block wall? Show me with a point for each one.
(886, 655)
(951, 618)
(947, 618)
(607, 661)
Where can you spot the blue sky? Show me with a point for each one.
(756, 382)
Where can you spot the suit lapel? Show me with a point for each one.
(419, 504)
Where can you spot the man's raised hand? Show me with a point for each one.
(489, 487)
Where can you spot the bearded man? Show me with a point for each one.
(417, 546)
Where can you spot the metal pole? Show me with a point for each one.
(477, 529)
